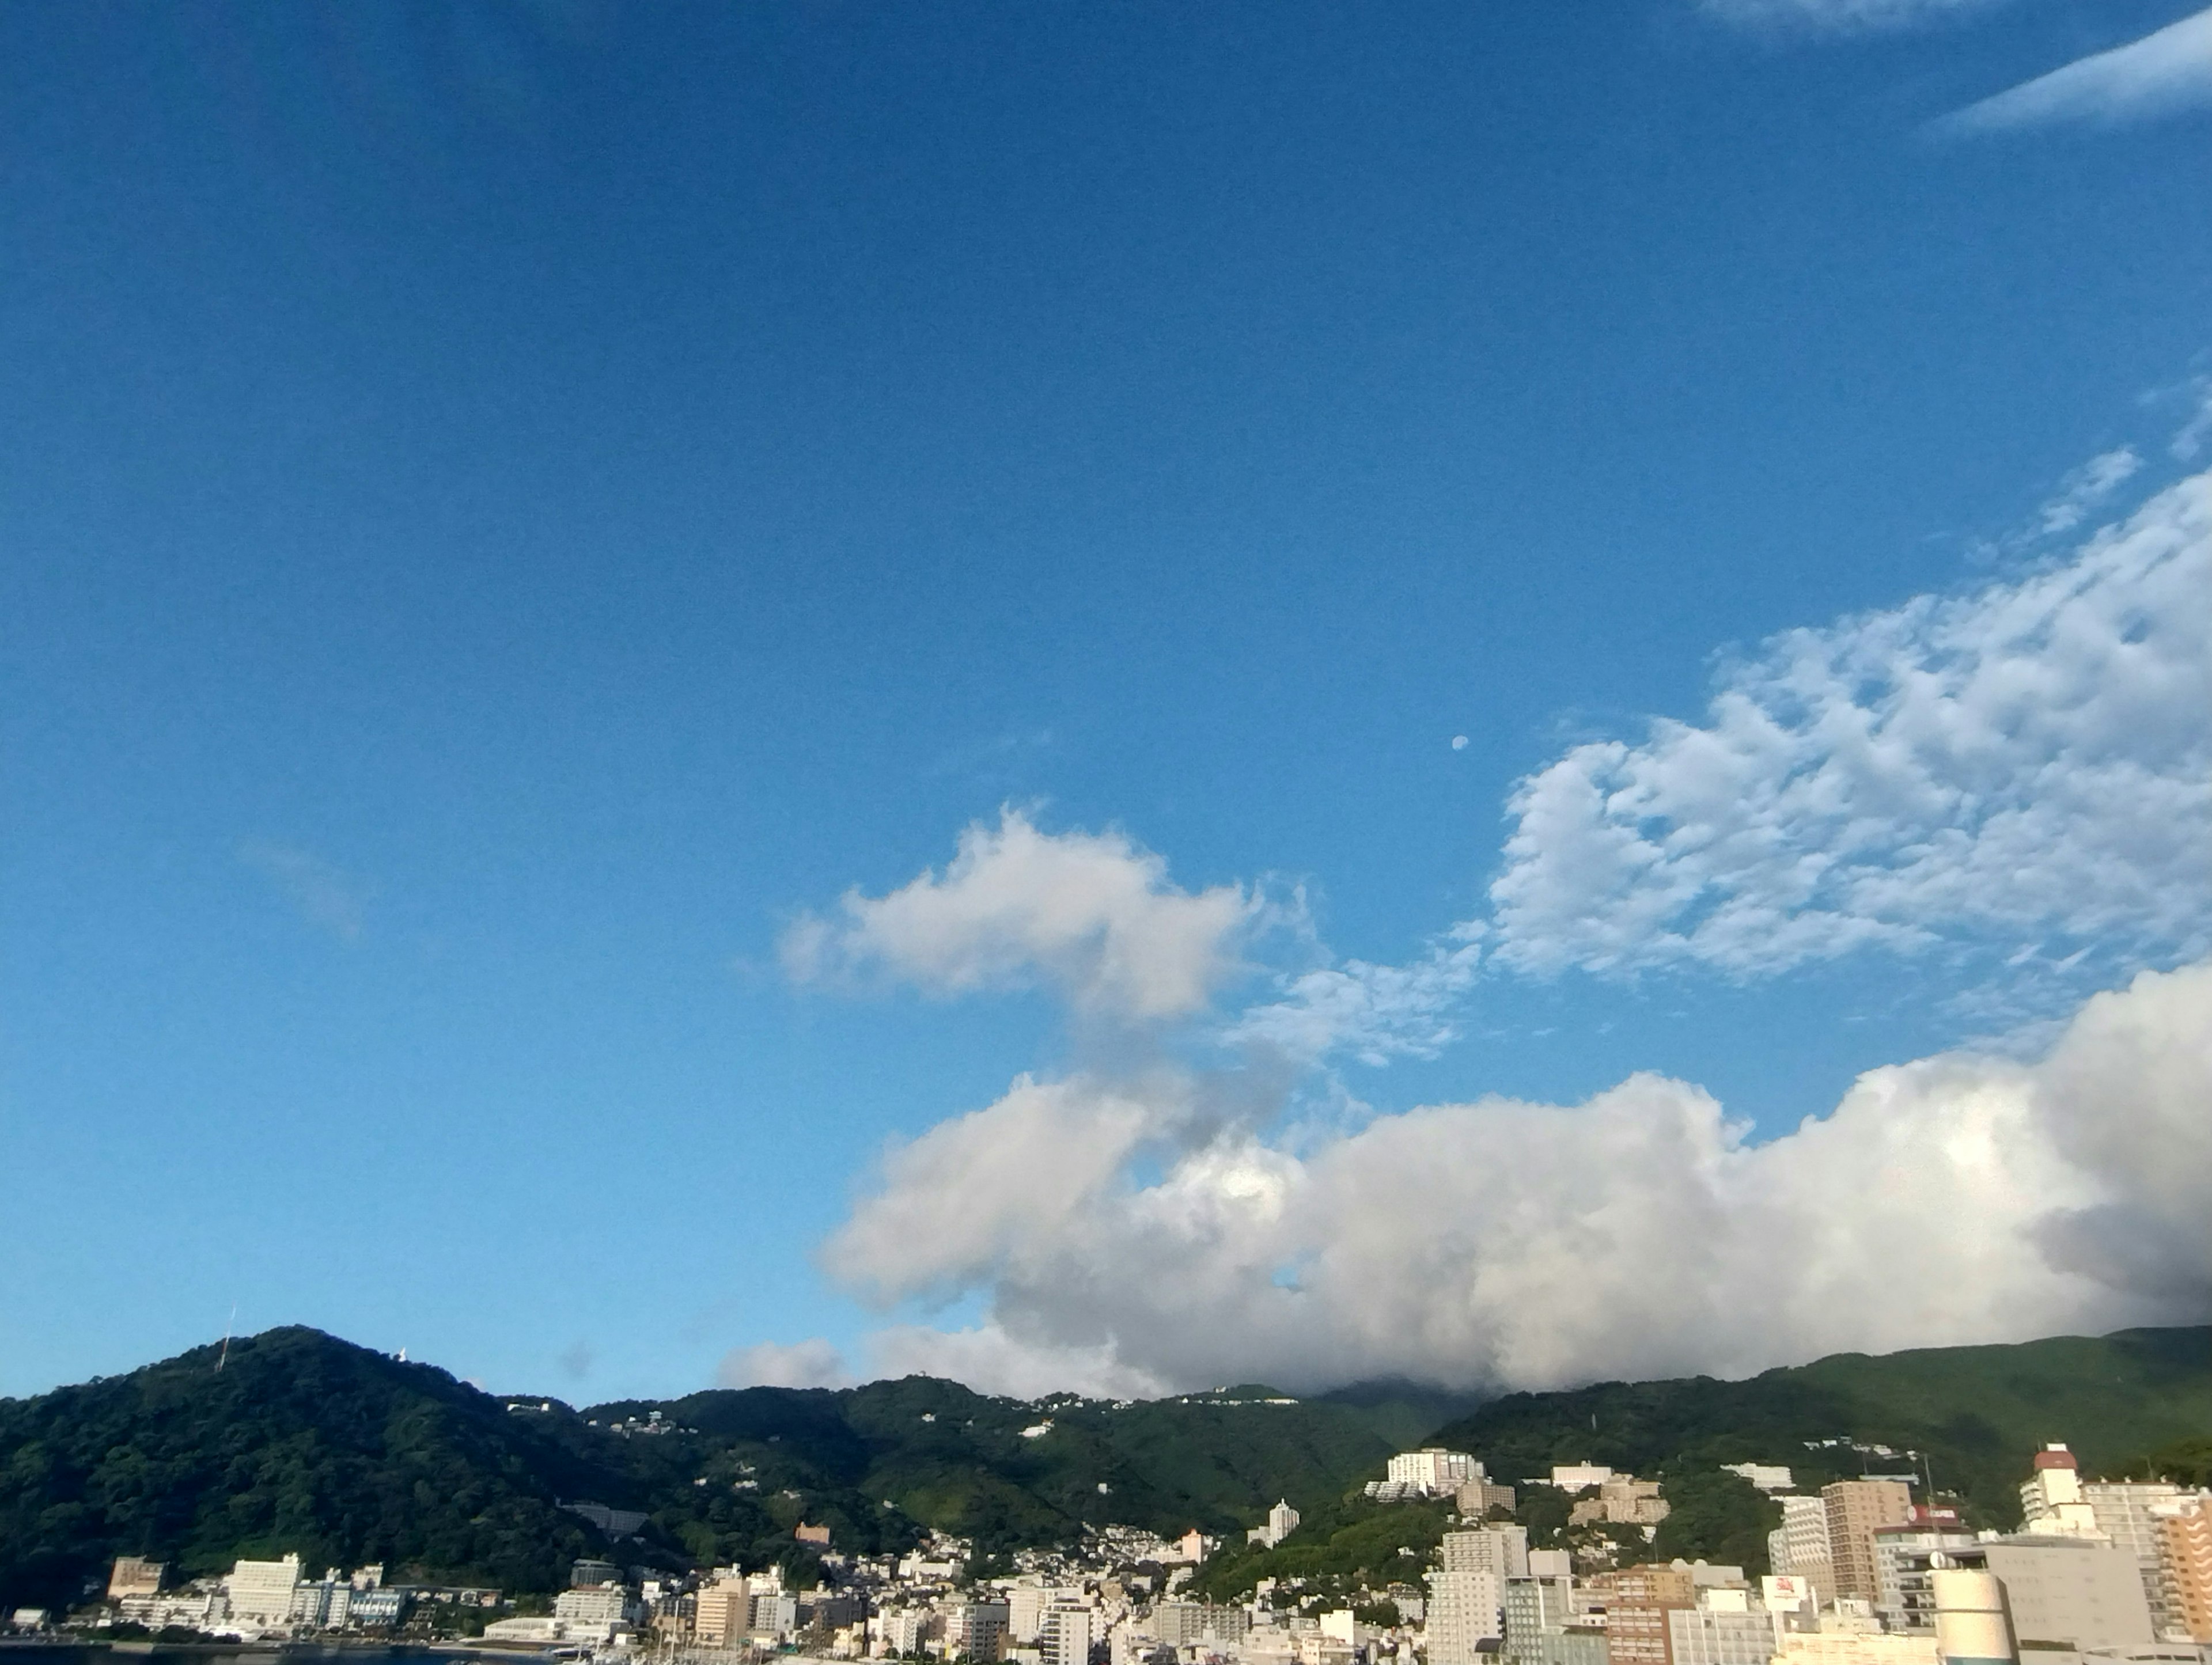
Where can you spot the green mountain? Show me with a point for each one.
(303, 1441)
(298, 1441)
(1976, 1414)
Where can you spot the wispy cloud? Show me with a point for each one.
(2085, 487)
(1840, 16)
(325, 897)
(2163, 73)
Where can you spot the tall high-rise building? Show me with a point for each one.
(1854, 1509)
(721, 1612)
(1637, 1600)
(1501, 1549)
(1064, 1637)
(1798, 1548)
(977, 1631)
(2184, 1532)
(1905, 1596)
(1465, 1609)
(2126, 1515)
(1532, 1607)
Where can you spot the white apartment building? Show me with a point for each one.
(2127, 1513)
(1501, 1550)
(1434, 1470)
(594, 1612)
(1465, 1609)
(1799, 1546)
(1282, 1520)
(261, 1592)
(1066, 1635)
(1726, 1627)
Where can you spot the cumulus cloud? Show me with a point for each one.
(2166, 72)
(1959, 1199)
(2027, 765)
(1090, 914)
(813, 1363)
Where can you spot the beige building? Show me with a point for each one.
(2185, 1554)
(1854, 1509)
(1636, 1602)
(722, 1612)
(132, 1577)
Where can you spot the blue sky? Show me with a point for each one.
(509, 513)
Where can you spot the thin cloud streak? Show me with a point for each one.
(2166, 73)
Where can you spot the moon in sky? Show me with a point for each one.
(1459, 742)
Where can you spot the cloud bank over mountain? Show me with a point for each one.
(2014, 782)
(1961, 1198)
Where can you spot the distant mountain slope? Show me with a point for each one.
(298, 1442)
(306, 1442)
(1976, 1412)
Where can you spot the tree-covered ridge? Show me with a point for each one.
(1976, 1412)
(302, 1442)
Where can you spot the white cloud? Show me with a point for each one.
(1374, 1012)
(987, 1358)
(2188, 439)
(813, 1363)
(2085, 487)
(1959, 1199)
(2164, 73)
(325, 895)
(1090, 914)
(2027, 767)
(1840, 16)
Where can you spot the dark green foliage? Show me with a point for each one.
(2187, 1462)
(1339, 1547)
(299, 1443)
(305, 1443)
(1714, 1516)
(1978, 1413)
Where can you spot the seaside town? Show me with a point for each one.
(1861, 1572)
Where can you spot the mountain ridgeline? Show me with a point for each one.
(305, 1443)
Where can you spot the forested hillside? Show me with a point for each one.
(1977, 1413)
(302, 1442)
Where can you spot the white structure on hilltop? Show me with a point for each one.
(1578, 1476)
(261, 1592)
(1282, 1520)
(1433, 1470)
(1768, 1477)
